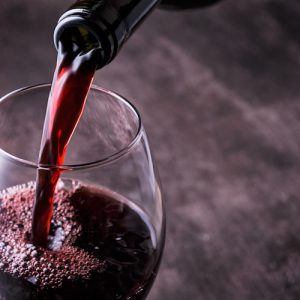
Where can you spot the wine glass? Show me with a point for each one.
(112, 221)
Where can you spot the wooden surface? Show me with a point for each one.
(219, 93)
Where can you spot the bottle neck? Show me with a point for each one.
(105, 25)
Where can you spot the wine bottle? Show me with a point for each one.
(106, 24)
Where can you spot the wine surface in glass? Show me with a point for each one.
(100, 246)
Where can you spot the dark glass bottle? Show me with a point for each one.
(107, 24)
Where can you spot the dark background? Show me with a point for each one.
(219, 92)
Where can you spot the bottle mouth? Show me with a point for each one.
(109, 159)
(74, 26)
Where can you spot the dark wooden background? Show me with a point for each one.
(219, 93)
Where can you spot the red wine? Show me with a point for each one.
(80, 53)
(100, 246)
(87, 37)
(86, 243)
(72, 79)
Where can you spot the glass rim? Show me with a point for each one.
(72, 167)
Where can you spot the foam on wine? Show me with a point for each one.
(44, 267)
